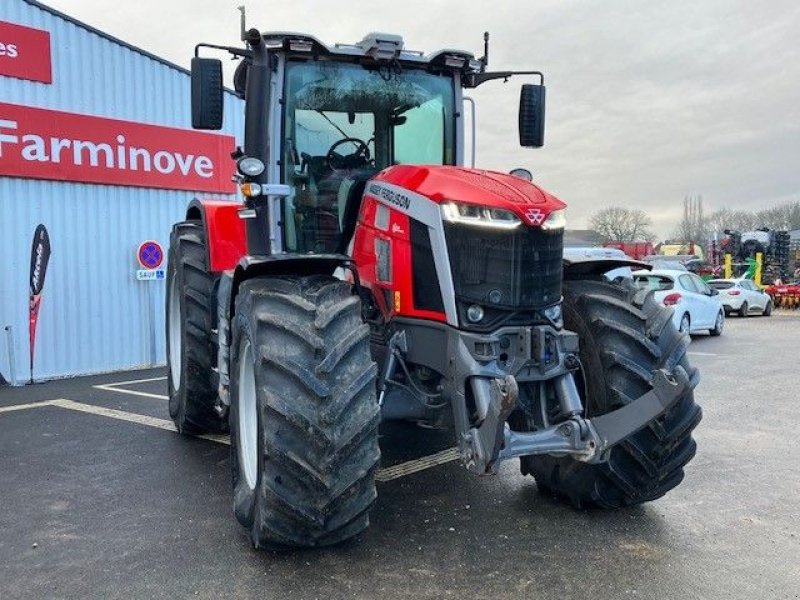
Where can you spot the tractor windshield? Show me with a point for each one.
(344, 122)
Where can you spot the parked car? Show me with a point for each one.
(742, 296)
(696, 306)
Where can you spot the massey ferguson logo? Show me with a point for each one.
(390, 196)
(535, 216)
(45, 144)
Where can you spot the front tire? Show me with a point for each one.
(625, 336)
(191, 348)
(768, 309)
(304, 415)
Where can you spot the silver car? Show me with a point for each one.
(743, 297)
(696, 306)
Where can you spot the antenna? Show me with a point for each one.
(242, 23)
(485, 59)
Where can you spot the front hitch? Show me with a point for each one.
(495, 400)
(587, 440)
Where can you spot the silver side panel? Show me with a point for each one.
(428, 212)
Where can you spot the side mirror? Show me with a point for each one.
(531, 116)
(207, 99)
(714, 292)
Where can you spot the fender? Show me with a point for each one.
(226, 243)
(579, 268)
(284, 264)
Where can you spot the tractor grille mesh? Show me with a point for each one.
(505, 269)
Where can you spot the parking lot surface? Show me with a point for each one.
(99, 498)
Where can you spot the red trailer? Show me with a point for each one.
(637, 250)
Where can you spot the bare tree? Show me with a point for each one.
(783, 216)
(726, 218)
(693, 227)
(622, 224)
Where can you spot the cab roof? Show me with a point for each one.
(374, 46)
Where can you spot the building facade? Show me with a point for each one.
(97, 157)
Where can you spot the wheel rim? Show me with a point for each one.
(175, 348)
(248, 419)
(685, 324)
(718, 325)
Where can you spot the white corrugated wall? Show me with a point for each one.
(93, 316)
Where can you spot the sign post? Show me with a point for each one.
(150, 256)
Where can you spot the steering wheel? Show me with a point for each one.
(357, 159)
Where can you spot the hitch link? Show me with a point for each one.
(587, 440)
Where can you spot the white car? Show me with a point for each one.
(696, 306)
(742, 296)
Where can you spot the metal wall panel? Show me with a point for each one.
(94, 315)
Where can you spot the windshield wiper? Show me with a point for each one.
(324, 116)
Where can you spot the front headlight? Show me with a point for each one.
(481, 216)
(555, 220)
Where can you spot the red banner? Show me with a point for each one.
(47, 144)
(25, 53)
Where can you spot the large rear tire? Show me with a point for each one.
(304, 415)
(191, 347)
(625, 335)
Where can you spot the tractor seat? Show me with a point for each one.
(325, 179)
(351, 191)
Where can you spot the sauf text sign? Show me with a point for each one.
(46, 144)
(25, 53)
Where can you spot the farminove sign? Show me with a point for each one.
(47, 144)
(25, 53)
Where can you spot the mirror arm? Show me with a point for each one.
(473, 80)
(235, 51)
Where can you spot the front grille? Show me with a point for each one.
(517, 269)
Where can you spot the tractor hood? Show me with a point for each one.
(474, 186)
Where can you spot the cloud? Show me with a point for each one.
(647, 102)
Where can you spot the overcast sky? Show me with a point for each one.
(646, 101)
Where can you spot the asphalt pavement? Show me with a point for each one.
(100, 498)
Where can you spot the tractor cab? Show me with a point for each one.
(325, 119)
(343, 122)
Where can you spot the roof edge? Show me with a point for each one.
(113, 39)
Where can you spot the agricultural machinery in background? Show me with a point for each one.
(774, 248)
(368, 276)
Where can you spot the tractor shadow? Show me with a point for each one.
(446, 527)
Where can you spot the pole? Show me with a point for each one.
(759, 262)
(151, 322)
(12, 359)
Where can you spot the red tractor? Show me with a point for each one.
(368, 276)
